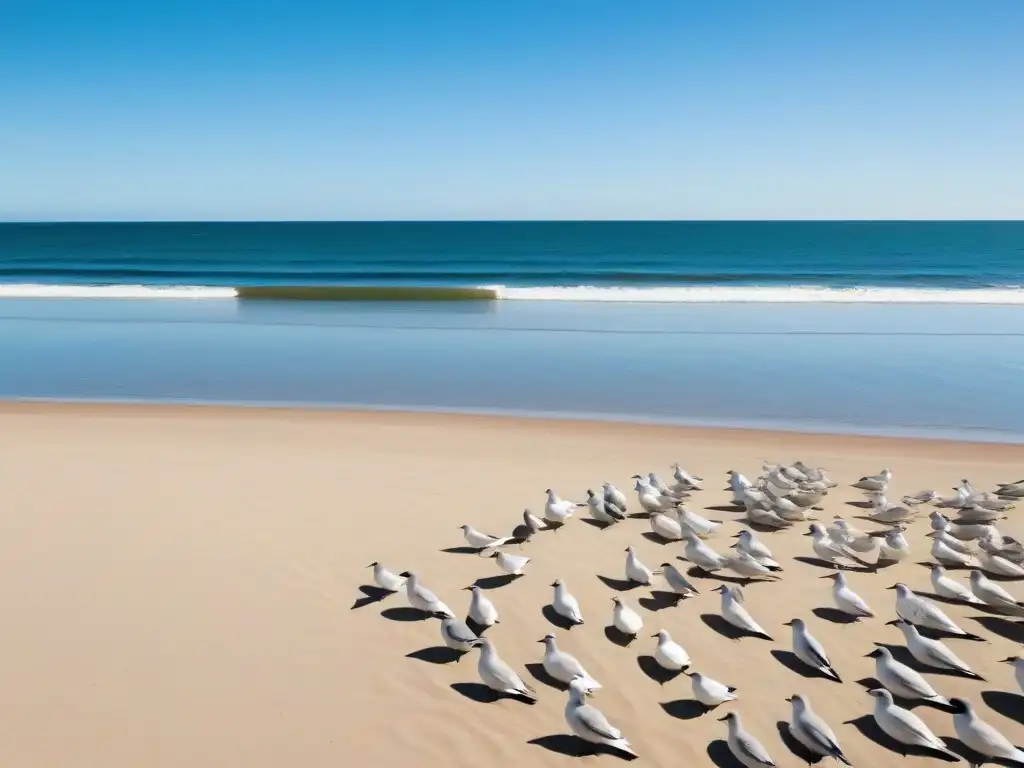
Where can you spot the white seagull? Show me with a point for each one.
(589, 723)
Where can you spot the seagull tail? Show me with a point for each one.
(835, 675)
(623, 746)
(838, 755)
(973, 675)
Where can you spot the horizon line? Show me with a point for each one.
(45, 222)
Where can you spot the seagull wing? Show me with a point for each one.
(595, 721)
(753, 749)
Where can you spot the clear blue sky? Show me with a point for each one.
(449, 109)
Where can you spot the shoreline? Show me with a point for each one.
(408, 416)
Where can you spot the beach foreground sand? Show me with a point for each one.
(178, 587)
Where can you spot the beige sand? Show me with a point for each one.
(177, 587)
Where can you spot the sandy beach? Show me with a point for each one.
(179, 586)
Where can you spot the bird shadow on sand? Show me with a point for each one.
(696, 572)
(619, 585)
(494, 582)
(476, 629)
(596, 523)
(724, 508)
(481, 694)
(789, 660)
(794, 746)
(638, 515)
(653, 537)
(660, 600)
(859, 504)
(833, 615)
(461, 550)
(541, 676)
(655, 671)
(618, 638)
(404, 614)
(724, 628)
(574, 746)
(436, 654)
(720, 754)
(1010, 705)
(869, 730)
(940, 598)
(684, 709)
(370, 596)
(903, 656)
(1011, 630)
(817, 562)
(555, 618)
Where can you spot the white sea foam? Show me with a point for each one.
(797, 294)
(34, 291)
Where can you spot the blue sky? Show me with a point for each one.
(445, 109)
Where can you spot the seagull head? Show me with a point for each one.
(556, 583)
(897, 623)
(879, 653)
(1010, 660)
(617, 600)
(629, 549)
(901, 588)
(464, 528)
(637, 477)
(374, 564)
(547, 640)
(639, 486)
(976, 576)
(410, 576)
(797, 701)
(795, 623)
(661, 634)
(959, 706)
(731, 716)
(723, 588)
(471, 588)
(881, 693)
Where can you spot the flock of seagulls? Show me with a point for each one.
(781, 497)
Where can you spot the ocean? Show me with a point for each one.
(857, 327)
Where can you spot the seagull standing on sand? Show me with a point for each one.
(686, 481)
(1018, 669)
(422, 599)
(807, 648)
(499, 676)
(733, 612)
(744, 747)
(994, 595)
(566, 605)
(480, 540)
(904, 726)
(921, 497)
(813, 732)
(589, 723)
(510, 564)
(601, 510)
(850, 537)
(828, 549)
(710, 693)
(614, 496)
(997, 564)
(563, 666)
(932, 653)
(701, 555)
(980, 736)
(669, 654)
(635, 570)
(456, 635)
(666, 527)
(946, 552)
(925, 613)
(625, 619)
(879, 482)
(748, 567)
(385, 579)
(696, 523)
(750, 544)
(677, 582)
(901, 680)
(525, 531)
(481, 610)
(894, 547)
(884, 512)
(558, 510)
(949, 588)
(846, 600)
(651, 499)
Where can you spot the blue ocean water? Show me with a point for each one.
(921, 362)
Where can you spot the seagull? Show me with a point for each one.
(422, 599)
(846, 600)
(601, 510)
(1011, 490)
(888, 513)
(981, 737)
(939, 521)
(664, 526)
(625, 619)
(749, 543)
(701, 555)
(557, 510)
(921, 497)
(635, 570)
(566, 605)
(696, 523)
(998, 565)
(456, 635)
(511, 564)
(734, 612)
(813, 732)
(894, 547)
(932, 653)
(686, 481)
(827, 549)
(613, 495)
(710, 693)
(480, 540)
(669, 654)
(944, 552)
(904, 726)
(1018, 669)
(994, 595)
(810, 651)
(531, 525)
(971, 531)
(744, 747)
(749, 567)
(767, 518)
(589, 723)
(651, 499)
(850, 537)
(901, 680)
(499, 676)
(877, 482)
(677, 582)
(563, 666)
(737, 484)
(385, 579)
(924, 613)
(951, 589)
(481, 610)
(655, 482)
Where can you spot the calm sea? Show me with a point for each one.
(889, 328)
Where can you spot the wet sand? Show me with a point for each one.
(179, 586)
